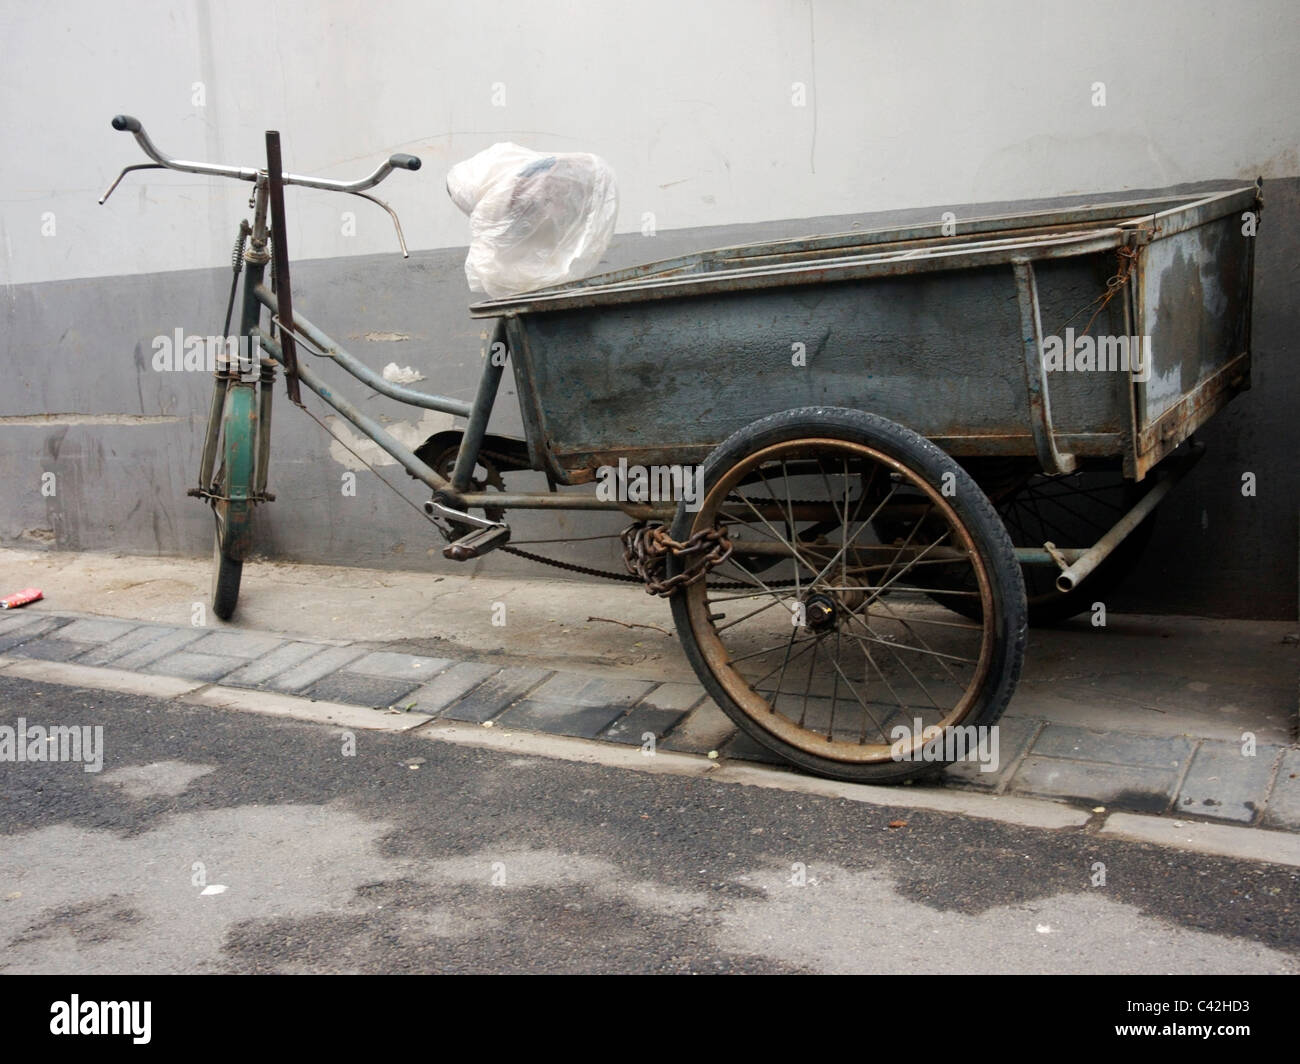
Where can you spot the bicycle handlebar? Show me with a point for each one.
(400, 161)
(129, 124)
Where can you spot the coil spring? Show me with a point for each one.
(241, 240)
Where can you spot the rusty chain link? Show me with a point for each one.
(646, 548)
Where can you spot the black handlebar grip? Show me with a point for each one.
(125, 123)
(399, 161)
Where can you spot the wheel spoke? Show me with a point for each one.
(766, 650)
(886, 585)
(755, 613)
(785, 662)
(939, 655)
(774, 532)
(917, 637)
(812, 666)
(865, 708)
(865, 524)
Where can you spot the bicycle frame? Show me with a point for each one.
(280, 346)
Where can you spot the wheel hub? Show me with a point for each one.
(820, 611)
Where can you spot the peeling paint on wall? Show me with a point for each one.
(409, 434)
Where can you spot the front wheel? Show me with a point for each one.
(226, 573)
(837, 655)
(233, 496)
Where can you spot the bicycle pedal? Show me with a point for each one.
(477, 544)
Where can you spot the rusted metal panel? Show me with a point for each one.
(670, 380)
(1203, 210)
(1193, 410)
(1029, 222)
(1194, 306)
(661, 362)
(582, 464)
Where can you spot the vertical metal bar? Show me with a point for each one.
(1258, 208)
(1144, 457)
(280, 253)
(484, 400)
(1129, 302)
(1040, 402)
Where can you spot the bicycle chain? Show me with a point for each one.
(632, 578)
(570, 566)
(628, 578)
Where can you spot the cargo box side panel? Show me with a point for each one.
(667, 381)
(1194, 312)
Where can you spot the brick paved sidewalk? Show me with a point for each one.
(1178, 775)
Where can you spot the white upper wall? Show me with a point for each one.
(907, 104)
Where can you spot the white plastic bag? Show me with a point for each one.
(535, 219)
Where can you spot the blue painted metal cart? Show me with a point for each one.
(910, 443)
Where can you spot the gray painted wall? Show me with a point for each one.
(84, 402)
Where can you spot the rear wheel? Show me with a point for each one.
(836, 655)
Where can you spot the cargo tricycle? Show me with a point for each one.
(909, 443)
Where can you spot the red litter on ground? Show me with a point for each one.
(21, 598)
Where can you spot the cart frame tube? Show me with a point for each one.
(371, 428)
(484, 402)
(1078, 571)
(328, 348)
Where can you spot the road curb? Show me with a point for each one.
(98, 677)
(1243, 843)
(1251, 844)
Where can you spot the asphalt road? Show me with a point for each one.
(214, 841)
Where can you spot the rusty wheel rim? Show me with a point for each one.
(874, 651)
